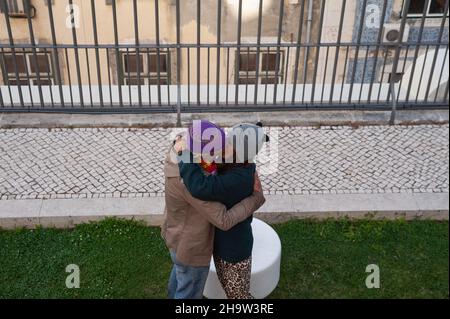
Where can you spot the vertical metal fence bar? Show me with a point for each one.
(2, 103)
(238, 55)
(88, 69)
(403, 72)
(308, 40)
(277, 62)
(306, 58)
(363, 74)
(55, 52)
(246, 81)
(219, 39)
(421, 73)
(108, 65)
(178, 34)
(208, 75)
(394, 102)
(77, 58)
(396, 58)
(267, 75)
(97, 54)
(386, 53)
(344, 73)
(446, 92)
(138, 51)
(3, 69)
(189, 74)
(168, 72)
(377, 53)
(324, 74)
(117, 52)
(128, 75)
(285, 82)
(440, 77)
(33, 44)
(199, 11)
(297, 50)
(417, 46)
(355, 61)
(338, 47)
(228, 75)
(436, 50)
(66, 53)
(13, 52)
(147, 52)
(28, 78)
(7, 79)
(158, 53)
(319, 42)
(52, 101)
(258, 50)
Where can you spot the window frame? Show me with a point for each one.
(146, 75)
(17, 9)
(419, 15)
(29, 76)
(242, 74)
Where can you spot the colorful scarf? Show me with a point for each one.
(211, 168)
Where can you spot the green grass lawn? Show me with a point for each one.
(321, 259)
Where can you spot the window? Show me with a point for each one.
(434, 8)
(16, 8)
(247, 63)
(142, 68)
(27, 68)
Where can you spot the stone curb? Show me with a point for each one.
(66, 213)
(282, 118)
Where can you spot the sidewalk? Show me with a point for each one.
(65, 176)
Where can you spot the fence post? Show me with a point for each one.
(177, 9)
(394, 103)
(391, 93)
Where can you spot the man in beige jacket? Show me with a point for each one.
(188, 230)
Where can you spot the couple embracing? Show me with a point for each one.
(211, 191)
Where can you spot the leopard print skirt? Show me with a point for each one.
(235, 277)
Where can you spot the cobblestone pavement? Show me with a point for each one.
(93, 163)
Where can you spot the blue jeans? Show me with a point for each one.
(186, 282)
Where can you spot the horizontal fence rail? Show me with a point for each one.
(192, 55)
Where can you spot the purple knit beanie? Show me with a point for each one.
(205, 137)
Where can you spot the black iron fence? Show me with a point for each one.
(222, 55)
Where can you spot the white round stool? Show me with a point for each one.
(266, 260)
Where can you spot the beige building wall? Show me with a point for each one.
(147, 34)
